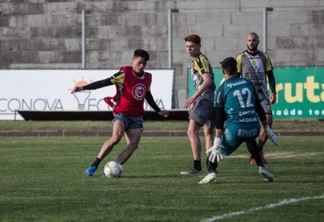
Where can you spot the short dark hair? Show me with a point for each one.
(142, 53)
(229, 65)
(254, 34)
(193, 38)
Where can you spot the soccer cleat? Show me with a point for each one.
(211, 177)
(91, 170)
(191, 171)
(267, 176)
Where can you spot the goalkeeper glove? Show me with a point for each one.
(214, 153)
(271, 135)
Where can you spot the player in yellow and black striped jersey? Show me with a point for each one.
(256, 66)
(201, 104)
(201, 65)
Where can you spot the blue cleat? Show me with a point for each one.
(91, 170)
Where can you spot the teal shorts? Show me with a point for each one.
(235, 135)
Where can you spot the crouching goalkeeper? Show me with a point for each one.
(237, 103)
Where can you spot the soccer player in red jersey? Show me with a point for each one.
(133, 87)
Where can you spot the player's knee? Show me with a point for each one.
(131, 147)
(114, 139)
(191, 134)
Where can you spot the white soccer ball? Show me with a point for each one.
(113, 169)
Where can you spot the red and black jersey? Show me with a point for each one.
(131, 92)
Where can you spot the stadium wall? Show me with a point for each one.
(47, 34)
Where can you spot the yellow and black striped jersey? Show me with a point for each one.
(255, 67)
(200, 66)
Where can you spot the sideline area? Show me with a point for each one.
(160, 133)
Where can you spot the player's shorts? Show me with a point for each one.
(265, 103)
(203, 113)
(235, 135)
(130, 122)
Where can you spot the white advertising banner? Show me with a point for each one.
(50, 90)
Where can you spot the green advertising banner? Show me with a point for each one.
(300, 91)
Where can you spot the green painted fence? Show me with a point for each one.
(300, 91)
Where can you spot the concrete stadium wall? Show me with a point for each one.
(47, 33)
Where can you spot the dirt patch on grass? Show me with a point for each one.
(282, 155)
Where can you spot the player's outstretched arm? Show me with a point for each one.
(93, 85)
(164, 113)
(150, 100)
(77, 89)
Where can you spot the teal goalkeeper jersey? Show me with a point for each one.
(237, 97)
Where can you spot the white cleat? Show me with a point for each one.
(267, 176)
(211, 177)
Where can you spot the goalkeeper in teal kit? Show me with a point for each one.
(238, 105)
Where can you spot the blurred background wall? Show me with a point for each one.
(47, 34)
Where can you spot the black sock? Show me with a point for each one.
(211, 166)
(197, 164)
(257, 156)
(96, 162)
(260, 148)
(254, 151)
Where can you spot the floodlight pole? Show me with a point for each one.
(265, 28)
(84, 38)
(170, 12)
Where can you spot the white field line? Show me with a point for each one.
(269, 206)
(280, 155)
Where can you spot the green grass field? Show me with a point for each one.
(306, 125)
(42, 179)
